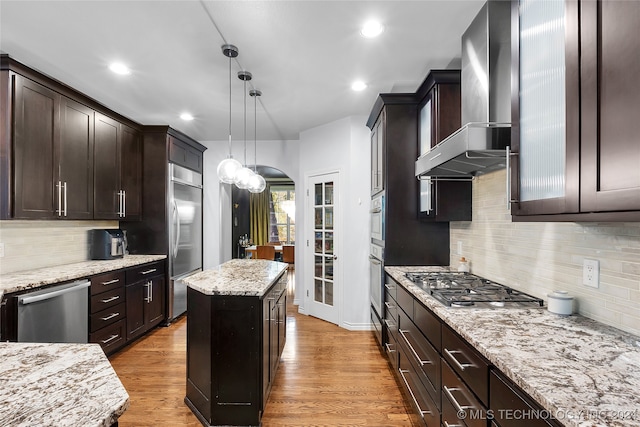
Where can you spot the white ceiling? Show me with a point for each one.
(303, 56)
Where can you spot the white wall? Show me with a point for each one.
(342, 145)
(539, 257)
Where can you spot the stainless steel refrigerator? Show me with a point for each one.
(184, 204)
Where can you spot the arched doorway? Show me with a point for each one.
(279, 223)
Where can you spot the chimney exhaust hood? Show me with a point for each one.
(480, 145)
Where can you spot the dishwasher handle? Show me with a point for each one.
(75, 286)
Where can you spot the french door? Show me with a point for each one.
(323, 287)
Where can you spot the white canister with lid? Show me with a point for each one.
(560, 302)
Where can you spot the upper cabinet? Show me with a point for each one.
(377, 154)
(53, 153)
(574, 106)
(61, 158)
(118, 170)
(439, 112)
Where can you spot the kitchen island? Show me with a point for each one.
(236, 319)
(581, 372)
(58, 384)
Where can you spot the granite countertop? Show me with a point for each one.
(58, 384)
(242, 277)
(29, 279)
(583, 372)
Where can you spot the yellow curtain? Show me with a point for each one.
(259, 206)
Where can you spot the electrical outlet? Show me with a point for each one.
(591, 272)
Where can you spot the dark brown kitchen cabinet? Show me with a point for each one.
(118, 170)
(53, 153)
(145, 298)
(185, 155)
(592, 170)
(439, 116)
(377, 155)
(408, 241)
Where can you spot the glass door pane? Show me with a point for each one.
(323, 244)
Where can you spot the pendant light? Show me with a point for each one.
(244, 174)
(257, 184)
(228, 168)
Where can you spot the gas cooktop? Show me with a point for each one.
(456, 289)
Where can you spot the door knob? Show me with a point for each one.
(335, 257)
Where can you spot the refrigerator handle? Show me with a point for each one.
(176, 220)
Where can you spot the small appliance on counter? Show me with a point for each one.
(106, 244)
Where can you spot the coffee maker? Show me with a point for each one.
(106, 244)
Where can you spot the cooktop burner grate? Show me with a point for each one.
(457, 289)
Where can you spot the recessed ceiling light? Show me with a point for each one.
(186, 116)
(358, 86)
(371, 29)
(119, 68)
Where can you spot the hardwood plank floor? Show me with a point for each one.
(328, 376)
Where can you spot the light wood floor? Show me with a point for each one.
(328, 376)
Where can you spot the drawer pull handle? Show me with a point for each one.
(389, 305)
(110, 282)
(389, 324)
(104, 301)
(111, 338)
(446, 424)
(402, 372)
(389, 287)
(420, 361)
(453, 400)
(151, 270)
(462, 366)
(111, 316)
(388, 346)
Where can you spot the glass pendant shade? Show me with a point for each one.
(243, 175)
(227, 170)
(257, 184)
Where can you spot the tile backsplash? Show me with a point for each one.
(36, 244)
(541, 257)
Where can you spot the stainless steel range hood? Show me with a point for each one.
(479, 146)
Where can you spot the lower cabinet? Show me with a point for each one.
(445, 380)
(234, 345)
(125, 304)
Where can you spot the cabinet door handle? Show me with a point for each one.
(420, 361)
(150, 291)
(110, 282)
(111, 316)
(108, 340)
(124, 203)
(65, 198)
(104, 301)
(146, 289)
(453, 400)
(151, 270)
(402, 372)
(462, 366)
(59, 187)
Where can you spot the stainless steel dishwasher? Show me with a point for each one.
(56, 314)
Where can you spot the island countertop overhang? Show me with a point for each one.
(238, 277)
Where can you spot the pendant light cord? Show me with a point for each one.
(255, 134)
(245, 122)
(230, 107)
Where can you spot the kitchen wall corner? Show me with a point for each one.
(544, 256)
(37, 244)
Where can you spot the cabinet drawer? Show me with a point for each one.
(390, 287)
(106, 317)
(111, 337)
(107, 282)
(391, 349)
(428, 324)
(508, 399)
(107, 299)
(391, 315)
(145, 271)
(467, 363)
(405, 301)
(418, 395)
(423, 356)
(457, 394)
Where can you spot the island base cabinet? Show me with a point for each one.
(223, 359)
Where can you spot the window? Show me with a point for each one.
(282, 219)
